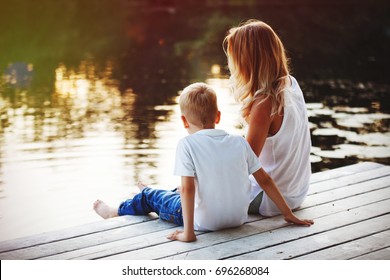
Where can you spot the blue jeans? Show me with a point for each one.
(166, 204)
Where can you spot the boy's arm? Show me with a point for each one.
(187, 195)
(268, 185)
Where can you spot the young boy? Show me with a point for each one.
(214, 167)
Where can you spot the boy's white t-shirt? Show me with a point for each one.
(286, 155)
(221, 164)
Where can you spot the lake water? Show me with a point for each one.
(88, 108)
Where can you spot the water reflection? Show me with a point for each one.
(83, 141)
(19, 74)
(347, 135)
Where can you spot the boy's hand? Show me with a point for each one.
(291, 218)
(181, 236)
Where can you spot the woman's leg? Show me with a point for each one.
(256, 196)
(254, 206)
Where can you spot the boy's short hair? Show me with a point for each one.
(198, 103)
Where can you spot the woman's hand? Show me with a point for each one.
(291, 218)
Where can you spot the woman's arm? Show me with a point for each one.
(268, 185)
(187, 195)
(259, 122)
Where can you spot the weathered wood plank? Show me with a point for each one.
(72, 232)
(123, 245)
(86, 244)
(355, 248)
(343, 171)
(347, 180)
(347, 191)
(383, 254)
(114, 247)
(313, 243)
(120, 246)
(84, 241)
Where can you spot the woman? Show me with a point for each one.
(274, 107)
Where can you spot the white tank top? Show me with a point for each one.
(286, 155)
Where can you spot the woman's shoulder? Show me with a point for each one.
(262, 105)
(293, 81)
(294, 89)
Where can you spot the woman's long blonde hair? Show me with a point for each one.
(258, 65)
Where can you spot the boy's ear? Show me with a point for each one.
(185, 122)
(218, 118)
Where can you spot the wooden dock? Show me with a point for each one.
(350, 206)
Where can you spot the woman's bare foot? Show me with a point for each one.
(103, 210)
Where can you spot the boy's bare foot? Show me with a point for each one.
(103, 210)
(141, 186)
